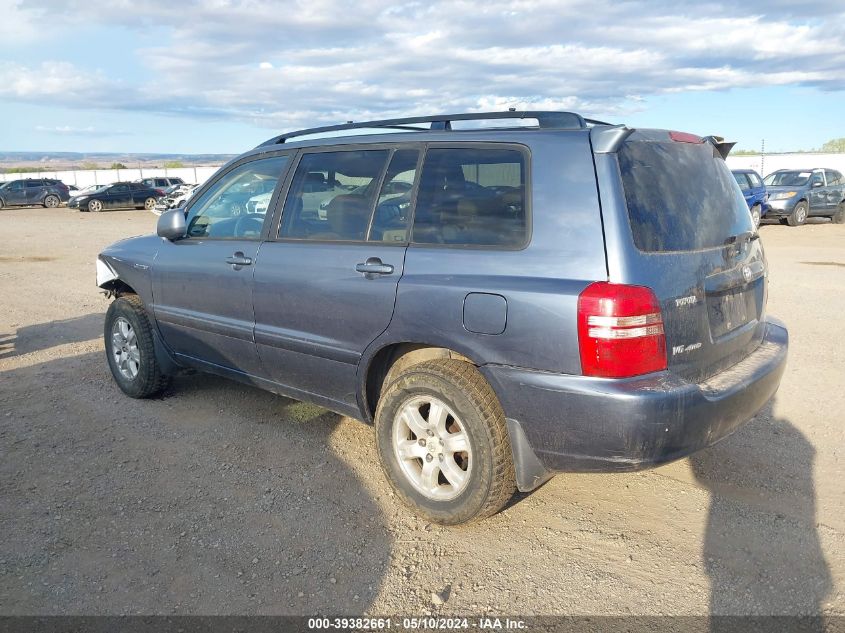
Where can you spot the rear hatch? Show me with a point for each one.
(695, 246)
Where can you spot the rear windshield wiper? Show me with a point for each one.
(745, 236)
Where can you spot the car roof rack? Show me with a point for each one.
(546, 119)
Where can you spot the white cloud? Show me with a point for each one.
(330, 63)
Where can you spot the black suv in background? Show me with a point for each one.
(161, 183)
(32, 191)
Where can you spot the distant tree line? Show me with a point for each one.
(833, 146)
(86, 166)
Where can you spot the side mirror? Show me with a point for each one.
(816, 183)
(171, 225)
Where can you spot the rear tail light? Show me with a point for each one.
(620, 331)
(158, 192)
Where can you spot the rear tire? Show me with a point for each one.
(799, 214)
(129, 349)
(836, 218)
(51, 202)
(470, 473)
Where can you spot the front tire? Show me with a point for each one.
(51, 202)
(799, 214)
(129, 349)
(95, 206)
(839, 216)
(443, 442)
(150, 204)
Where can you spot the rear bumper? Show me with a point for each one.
(583, 424)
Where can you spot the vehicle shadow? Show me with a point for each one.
(761, 547)
(217, 499)
(32, 338)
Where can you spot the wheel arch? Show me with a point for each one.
(399, 354)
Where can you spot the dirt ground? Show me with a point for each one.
(222, 499)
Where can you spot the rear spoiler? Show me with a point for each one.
(721, 146)
(608, 139)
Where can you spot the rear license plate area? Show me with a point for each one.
(728, 311)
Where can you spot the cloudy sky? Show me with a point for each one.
(222, 75)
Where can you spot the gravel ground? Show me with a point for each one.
(221, 499)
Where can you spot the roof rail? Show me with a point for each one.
(546, 120)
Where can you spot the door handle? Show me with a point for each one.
(373, 267)
(239, 260)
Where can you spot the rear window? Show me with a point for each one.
(680, 196)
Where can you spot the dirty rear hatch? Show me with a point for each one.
(695, 245)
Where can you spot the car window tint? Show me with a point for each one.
(755, 179)
(817, 178)
(393, 209)
(332, 195)
(742, 181)
(471, 196)
(680, 196)
(119, 189)
(223, 210)
(832, 177)
(32, 184)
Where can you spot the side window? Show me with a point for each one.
(33, 184)
(332, 195)
(742, 181)
(755, 180)
(223, 211)
(119, 189)
(832, 177)
(817, 178)
(472, 196)
(16, 186)
(393, 209)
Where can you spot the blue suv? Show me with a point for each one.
(797, 194)
(755, 193)
(502, 304)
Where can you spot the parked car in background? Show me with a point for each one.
(796, 194)
(500, 325)
(176, 198)
(119, 195)
(755, 193)
(86, 190)
(46, 192)
(164, 184)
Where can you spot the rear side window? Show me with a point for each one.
(755, 180)
(332, 195)
(680, 196)
(472, 196)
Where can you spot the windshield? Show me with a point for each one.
(680, 196)
(788, 178)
